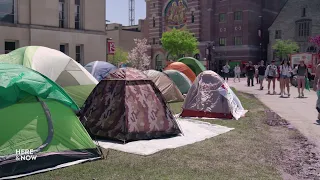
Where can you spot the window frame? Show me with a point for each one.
(223, 39)
(77, 15)
(238, 14)
(13, 14)
(278, 34)
(222, 20)
(238, 40)
(81, 53)
(6, 51)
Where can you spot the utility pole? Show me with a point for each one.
(132, 18)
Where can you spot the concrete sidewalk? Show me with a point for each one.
(300, 112)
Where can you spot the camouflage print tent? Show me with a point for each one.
(128, 106)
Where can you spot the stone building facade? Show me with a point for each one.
(76, 27)
(298, 21)
(231, 24)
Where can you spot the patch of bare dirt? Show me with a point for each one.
(298, 158)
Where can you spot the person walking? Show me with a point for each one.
(256, 75)
(285, 74)
(226, 71)
(237, 72)
(261, 73)
(250, 74)
(302, 73)
(316, 87)
(271, 74)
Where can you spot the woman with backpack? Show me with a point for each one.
(271, 75)
(285, 74)
(302, 73)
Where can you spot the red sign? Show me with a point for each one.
(111, 48)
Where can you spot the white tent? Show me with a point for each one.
(52, 63)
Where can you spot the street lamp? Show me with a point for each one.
(260, 33)
(210, 47)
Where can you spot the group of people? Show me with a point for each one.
(271, 73)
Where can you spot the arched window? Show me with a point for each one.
(154, 22)
(192, 17)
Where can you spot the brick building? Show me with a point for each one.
(232, 24)
(298, 20)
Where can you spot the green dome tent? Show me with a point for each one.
(196, 66)
(37, 114)
(181, 80)
(52, 63)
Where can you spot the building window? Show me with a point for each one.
(192, 17)
(79, 53)
(7, 11)
(222, 17)
(222, 41)
(303, 28)
(237, 41)
(277, 34)
(62, 13)
(238, 15)
(303, 13)
(64, 48)
(77, 16)
(9, 46)
(153, 22)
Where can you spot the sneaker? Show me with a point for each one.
(274, 92)
(288, 94)
(269, 92)
(282, 95)
(302, 95)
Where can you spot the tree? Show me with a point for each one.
(284, 48)
(179, 42)
(120, 56)
(315, 40)
(138, 57)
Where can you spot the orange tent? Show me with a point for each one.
(179, 66)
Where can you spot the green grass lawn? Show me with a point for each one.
(243, 153)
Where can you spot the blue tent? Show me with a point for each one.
(99, 69)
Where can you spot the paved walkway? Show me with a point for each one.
(300, 112)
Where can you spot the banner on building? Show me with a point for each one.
(111, 48)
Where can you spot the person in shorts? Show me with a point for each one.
(271, 75)
(261, 72)
(302, 73)
(316, 87)
(285, 74)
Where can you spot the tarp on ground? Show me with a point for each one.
(179, 66)
(100, 69)
(181, 80)
(196, 66)
(127, 106)
(52, 63)
(36, 114)
(167, 87)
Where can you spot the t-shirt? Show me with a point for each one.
(301, 70)
(272, 70)
(250, 70)
(261, 70)
(226, 68)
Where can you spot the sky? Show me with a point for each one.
(117, 11)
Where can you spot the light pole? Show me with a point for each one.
(108, 39)
(261, 37)
(210, 47)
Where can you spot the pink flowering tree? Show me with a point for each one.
(138, 57)
(315, 40)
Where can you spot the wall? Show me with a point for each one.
(287, 18)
